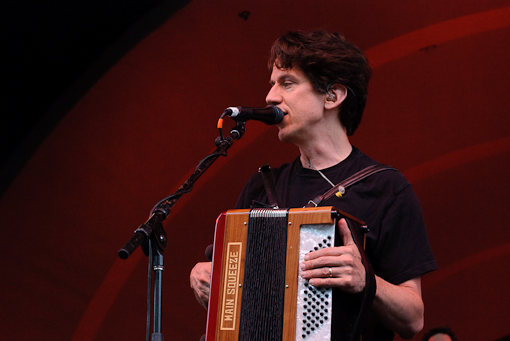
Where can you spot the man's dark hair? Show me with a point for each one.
(440, 330)
(327, 58)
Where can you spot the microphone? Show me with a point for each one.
(269, 115)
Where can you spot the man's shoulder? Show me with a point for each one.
(276, 172)
(284, 169)
(391, 176)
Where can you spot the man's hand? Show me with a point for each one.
(339, 267)
(200, 280)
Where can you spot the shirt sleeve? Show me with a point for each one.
(403, 251)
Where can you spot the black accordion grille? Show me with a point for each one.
(264, 276)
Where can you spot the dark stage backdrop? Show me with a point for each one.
(438, 110)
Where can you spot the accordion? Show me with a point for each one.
(256, 292)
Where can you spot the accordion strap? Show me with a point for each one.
(265, 171)
(341, 186)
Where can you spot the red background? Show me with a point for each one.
(437, 110)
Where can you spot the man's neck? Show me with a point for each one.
(326, 154)
(324, 144)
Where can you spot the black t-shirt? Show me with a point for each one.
(397, 242)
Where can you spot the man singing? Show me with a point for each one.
(319, 80)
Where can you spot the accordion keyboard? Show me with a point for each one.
(313, 320)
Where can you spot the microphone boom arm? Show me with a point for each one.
(162, 209)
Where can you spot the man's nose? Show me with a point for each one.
(273, 97)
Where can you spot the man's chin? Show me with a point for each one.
(284, 137)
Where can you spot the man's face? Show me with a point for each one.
(292, 92)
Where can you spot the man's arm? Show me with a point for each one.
(399, 307)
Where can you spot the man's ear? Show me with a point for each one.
(335, 96)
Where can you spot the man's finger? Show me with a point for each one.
(345, 233)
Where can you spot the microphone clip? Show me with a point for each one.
(238, 131)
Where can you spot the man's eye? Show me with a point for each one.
(287, 84)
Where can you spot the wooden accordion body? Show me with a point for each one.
(256, 292)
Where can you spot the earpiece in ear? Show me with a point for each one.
(331, 96)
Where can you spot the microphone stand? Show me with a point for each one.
(154, 248)
(151, 233)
